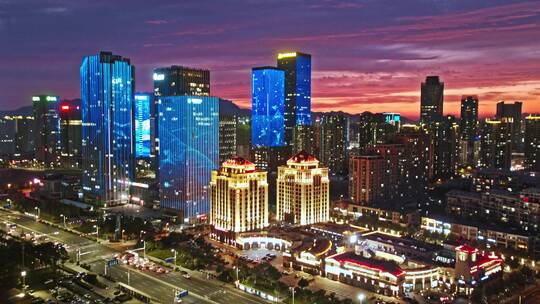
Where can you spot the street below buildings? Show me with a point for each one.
(201, 289)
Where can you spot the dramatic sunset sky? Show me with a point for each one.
(367, 55)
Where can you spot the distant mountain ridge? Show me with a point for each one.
(226, 108)
(23, 111)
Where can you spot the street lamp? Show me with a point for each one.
(64, 217)
(97, 230)
(123, 230)
(23, 275)
(174, 251)
(38, 213)
(292, 291)
(361, 298)
(237, 274)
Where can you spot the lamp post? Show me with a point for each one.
(97, 230)
(23, 275)
(361, 298)
(128, 276)
(292, 291)
(64, 217)
(38, 213)
(174, 251)
(123, 230)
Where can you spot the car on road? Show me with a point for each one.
(186, 276)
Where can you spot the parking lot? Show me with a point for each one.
(263, 255)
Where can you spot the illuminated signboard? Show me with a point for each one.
(159, 76)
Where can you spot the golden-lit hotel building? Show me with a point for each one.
(303, 191)
(238, 199)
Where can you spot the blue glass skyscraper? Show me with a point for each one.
(189, 151)
(142, 125)
(267, 107)
(297, 67)
(107, 87)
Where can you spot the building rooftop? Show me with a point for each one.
(372, 264)
(485, 225)
(240, 164)
(461, 193)
(466, 248)
(317, 246)
(303, 157)
(404, 242)
(336, 229)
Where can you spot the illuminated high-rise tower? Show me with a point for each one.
(333, 143)
(303, 191)
(71, 133)
(177, 81)
(532, 142)
(267, 107)
(107, 88)
(297, 67)
(188, 153)
(511, 112)
(46, 129)
(238, 199)
(469, 139)
(496, 144)
(267, 116)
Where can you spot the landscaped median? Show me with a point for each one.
(271, 296)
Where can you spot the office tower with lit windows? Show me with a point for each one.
(532, 142)
(71, 133)
(179, 80)
(303, 191)
(431, 99)
(24, 137)
(511, 113)
(304, 139)
(369, 129)
(143, 103)
(238, 199)
(47, 129)
(366, 174)
(267, 116)
(469, 136)
(107, 89)
(445, 137)
(7, 137)
(419, 163)
(496, 143)
(189, 151)
(243, 136)
(333, 143)
(395, 170)
(227, 137)
(297, 67)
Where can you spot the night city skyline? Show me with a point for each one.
(367, 55)
(270, 151)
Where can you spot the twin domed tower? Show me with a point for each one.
(239, 195)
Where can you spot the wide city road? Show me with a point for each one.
(201, 290)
